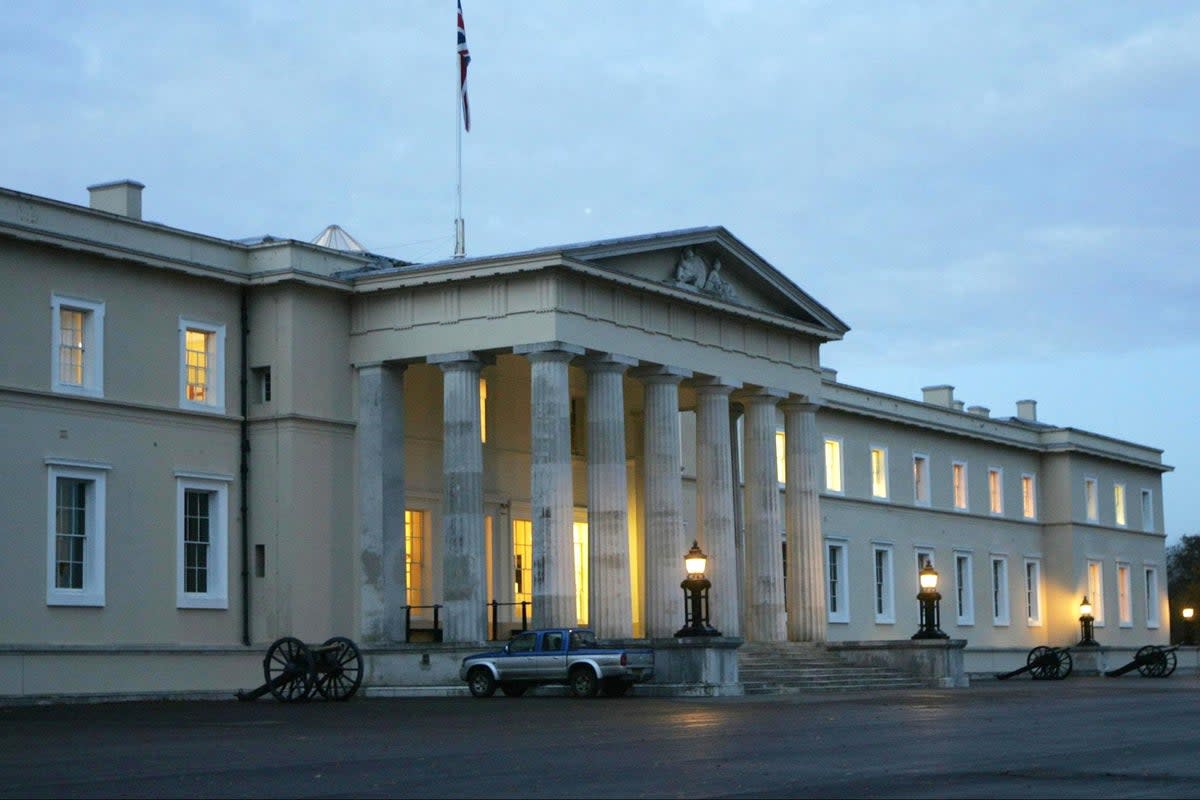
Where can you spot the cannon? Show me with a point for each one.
(1153, 661)
(1046, 664)
(295, 671)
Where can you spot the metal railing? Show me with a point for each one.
(495, 606)
(437, 627)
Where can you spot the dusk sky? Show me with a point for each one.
(997, 196)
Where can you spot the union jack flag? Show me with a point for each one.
(464, 58)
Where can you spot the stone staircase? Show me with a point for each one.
(802, 667)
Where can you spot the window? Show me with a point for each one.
(879, 483)
(262, 384)
(415, 537)
(885, 603)
(780, 457)
(580, 542)
(77, 357)
(202, 354)
(1151, 597)
(75, 527)
(920, 479)
(1147, 510)
(1033, 591)
(1095, 590)
(483, 395)
(1091, 501)
(522, 560)
(1000, 590)
(1119, 503)
(964, 602)
(1124, 596)
(837, 592)
(833, 465)
(959, 472)
(996, 490)
(924, 556)
(1028, 496)
(202, 542)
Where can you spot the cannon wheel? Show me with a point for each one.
(289, 658)
(1065, 664)
(1151, 661)
(339, 669)
(1039, 663)
(1169, 655)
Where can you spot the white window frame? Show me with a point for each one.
(958, 485)
(883, 583)
(1095, 590)
(1120, 505)
(1124, 595)
(996, 491)
(1148, 510)
(216, 368)
(964, 588)
(217, 486)
(1001, 607)
(879, 478)
(93, 346)
(840, 611)
(92, 593)
(1152, 609)
(921, 480)
(1091, 498)
(841, 465)
(1034, 592)
(1029, 501)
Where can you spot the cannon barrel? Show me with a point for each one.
(1046, 663)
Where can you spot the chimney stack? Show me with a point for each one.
(118, 197)
(1027, 410)
(939, 395)
(979, 411)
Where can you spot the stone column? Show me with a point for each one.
(380, 435)
(610, 598)
(765, 616)
(464, 579)
(663, 526)
(551, 484)
(807, 618)
(714, 502)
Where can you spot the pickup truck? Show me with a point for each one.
(568, 656)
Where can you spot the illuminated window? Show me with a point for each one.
(964, 601)
(1033, 592)
(959, 472)
(1095, 590)
(1124, 596)
(522, 560)
(780, 457)
(885, 609)
(1147, 510)
(836, 590)
(996, 490)
(1000, 614)
(203, 550)
(75, 566)
(483, 389)
(202, 354)
(414, 556)
(580, 540)
(1028, 496)
(1091, 500)
(920, 479)
(833, 465)
(923, 557)
(1119, 503)
(1151, 597)
(77, 358)
(879, 483)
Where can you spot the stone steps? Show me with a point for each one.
(796, 668)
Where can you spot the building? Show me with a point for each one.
(210, 444)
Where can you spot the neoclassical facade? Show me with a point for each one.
(215, 443)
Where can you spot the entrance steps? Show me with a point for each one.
(802, 667)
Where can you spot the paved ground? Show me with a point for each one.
(1083, 737)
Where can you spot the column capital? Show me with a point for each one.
(609, 362)
(762, 394)
(548, 350)
(710, 384)
(661, 374)
(799, 402)
(459, 360)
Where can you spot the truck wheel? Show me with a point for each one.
(513, 689)
(615, 687)
(583, 683)
(481, 682)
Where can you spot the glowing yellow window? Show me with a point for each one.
(198, 352)
(580, 537)
(522, 560)
(414, 559)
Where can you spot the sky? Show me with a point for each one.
(999, 196)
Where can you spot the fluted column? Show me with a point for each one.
(551, 484)
(380, 438)
(610, 599)
(663, 526)
(714, 502)
(765, 617)
(464, 577)
(807, 619)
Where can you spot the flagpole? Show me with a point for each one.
(460, 247)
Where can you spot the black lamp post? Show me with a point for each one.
(1188, 613)
(695, 595)
(931, 608)
(1086, 621)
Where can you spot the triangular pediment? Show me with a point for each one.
(713, 265)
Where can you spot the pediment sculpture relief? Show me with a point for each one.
(693, 274)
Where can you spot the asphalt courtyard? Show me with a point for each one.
(1082, 737)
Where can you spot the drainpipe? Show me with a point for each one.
(245, 471)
